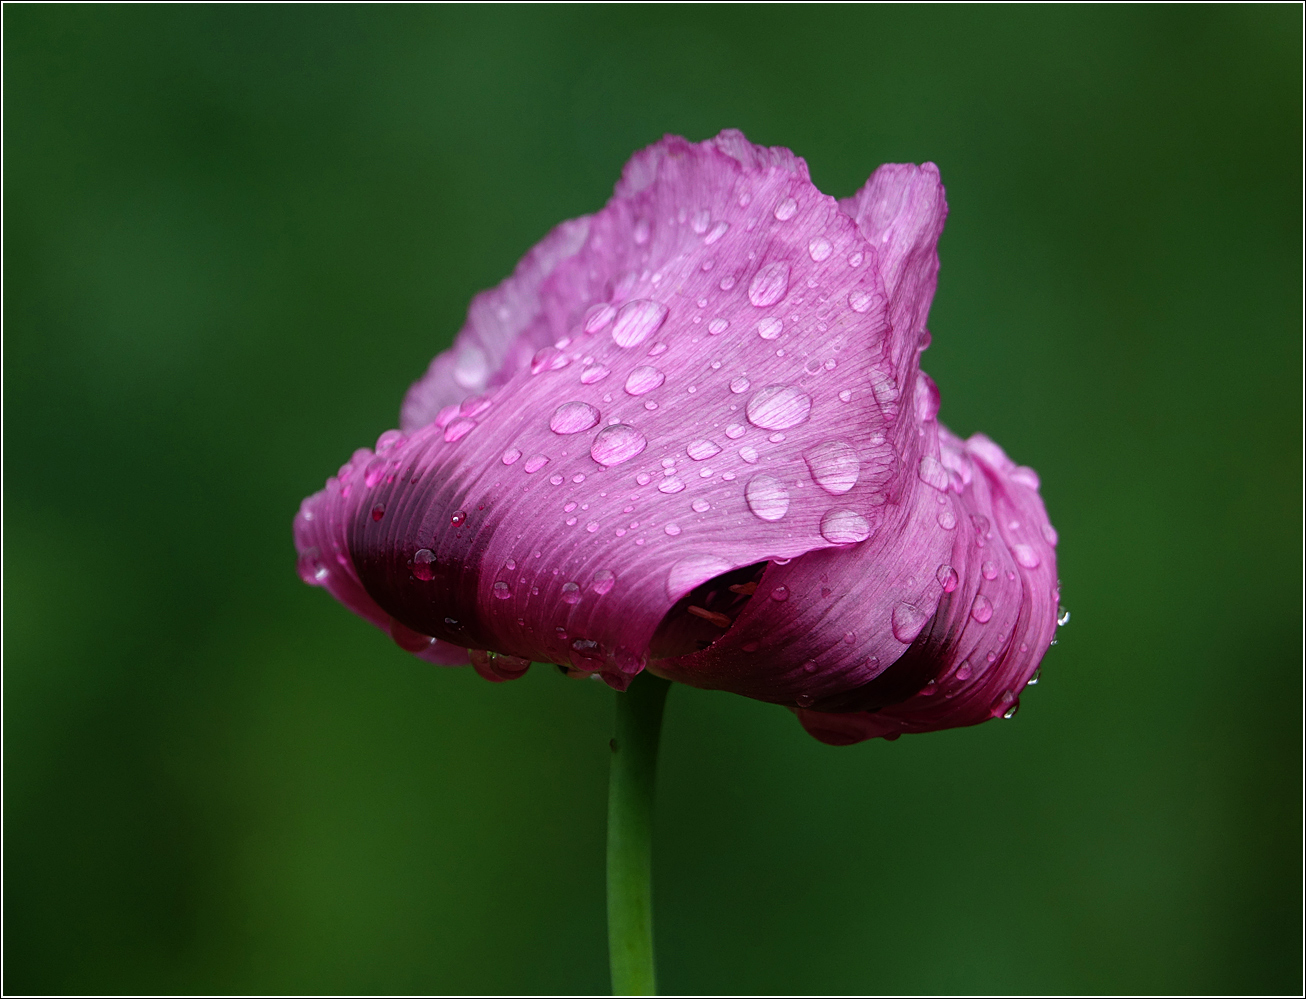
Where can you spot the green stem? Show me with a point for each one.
(630, 835)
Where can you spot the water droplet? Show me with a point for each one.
(422, 564)
(819, 249)
(592, 526)
(548, 359)
(598, 316)
(933, 473)
(510, 564)
(671, 485)
(701, 506)
(735, 431)
(616, 444)
(738, 385)
(578, 478)
(844, 527)
(780, 594)
(748, 454)
(458, 517)
(603, 581)
(718, 326)
(641, 231)
(644, 379)
(573, 417)
(535, 463)
(769, 284)
(834, 466)
(594, 373)
(1025, 556)
(981, 610)
(860, 301)
(805, 700)
(716, 232)
(378, 511)
(964, 671)
(698, 222)
(689, 572)
(570, 593)
(656, 349)
(907, 622)
(458, 429)
(672, 529)
(767, 497)
(947, 577)
(989, 570)
(727, 283)
(555, 480)
(1050, 534)
(511, 455)
(769, 328)
(947, 520)
(1033, 680)
(786, 210)
(638, 320)
(846, 396)
(779, 407)
(502, 591)
(1063, 616)
(855, 260)
(702, 449)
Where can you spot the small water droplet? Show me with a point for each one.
(989, 570)
(573, 417)
(739, 384)
(933, 473)
(548, 359)
(769, 328)
(1025, 556)
(907, 621)
(594, 373)
(617, 443)
(700, 450)
(769, 284)
(422, 564)
(641, 231)
(592, 526)
(964, 671)
(555, 480)
(637, 321)
(511, 455)
(846, 396)
(603, 581)
(378, 511)
(1033, 680)
(701, 506)
(1063, 616)
(860, 301)
(981, 610)
(805, 700)
(833, 466)
(748, 454)
(716, 232)
(644, 379)
(502, 591)
(819, 249)
(598, 316)
(947, 519)
(458, 429)
(458, 517)
(718, 325)
(570, 593)
(535, 463)
(672, 529)
(786, 210)
(947, 577)
(779, 407)
(855, 260)
(780, 594)
(670, 485)
(844, 527)
(767, 497)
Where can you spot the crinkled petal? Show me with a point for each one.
(716, 371)
(997, 610)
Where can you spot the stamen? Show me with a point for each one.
(720, 620)
(747, 589)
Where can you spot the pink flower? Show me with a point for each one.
(690, 433)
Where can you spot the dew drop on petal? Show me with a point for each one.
(779, 407)
(555, 480)
(701, 506)
(947, 577)
(846, 395)
(644, 379)
(769, 328)
(511, 455)
(598, 316)
(1063, 617)
(767, 497)
(617, 443)
(748, 454)
(718, 325)
(738, 385)
(735, 431)
(672, 530)
(700, 450)
(716, 232)
(989, 570)
(834, 466)
(769, 284)
(422, 564)
(933, 473)
(458, 517)
(458, 429)
(570, 593)
(1025, 556)
(637, 321)
(819, 249)
(501, 590)
(573, 417)
(671, 485)
(947, 519)
(594, 373)
(603, 581)
(535, 463)
(780, 594)
(907, 622)
(844, 527)
(860, 301)
(378, 511)
(981, 610)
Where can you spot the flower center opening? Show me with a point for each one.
(705, 613)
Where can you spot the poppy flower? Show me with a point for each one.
(690, 434)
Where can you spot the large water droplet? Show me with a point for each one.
(700, 450)
(570, 593)
(422, 564)
(718, 325)
(769, 328)
(644, 379)
(573, 417)
(617, 443)
(637, 320)
(501, 590)
(692, 570)
(594, 373)
(947, 577)
(981, 610)
(834, 466)
(907, 622)
(779, 407)
(933, 473)
(1025, 556)
(603, 581)
(767, 497)
(844, 527)
(769, 284)
(739, 384)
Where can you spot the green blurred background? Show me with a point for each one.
(232, 238)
